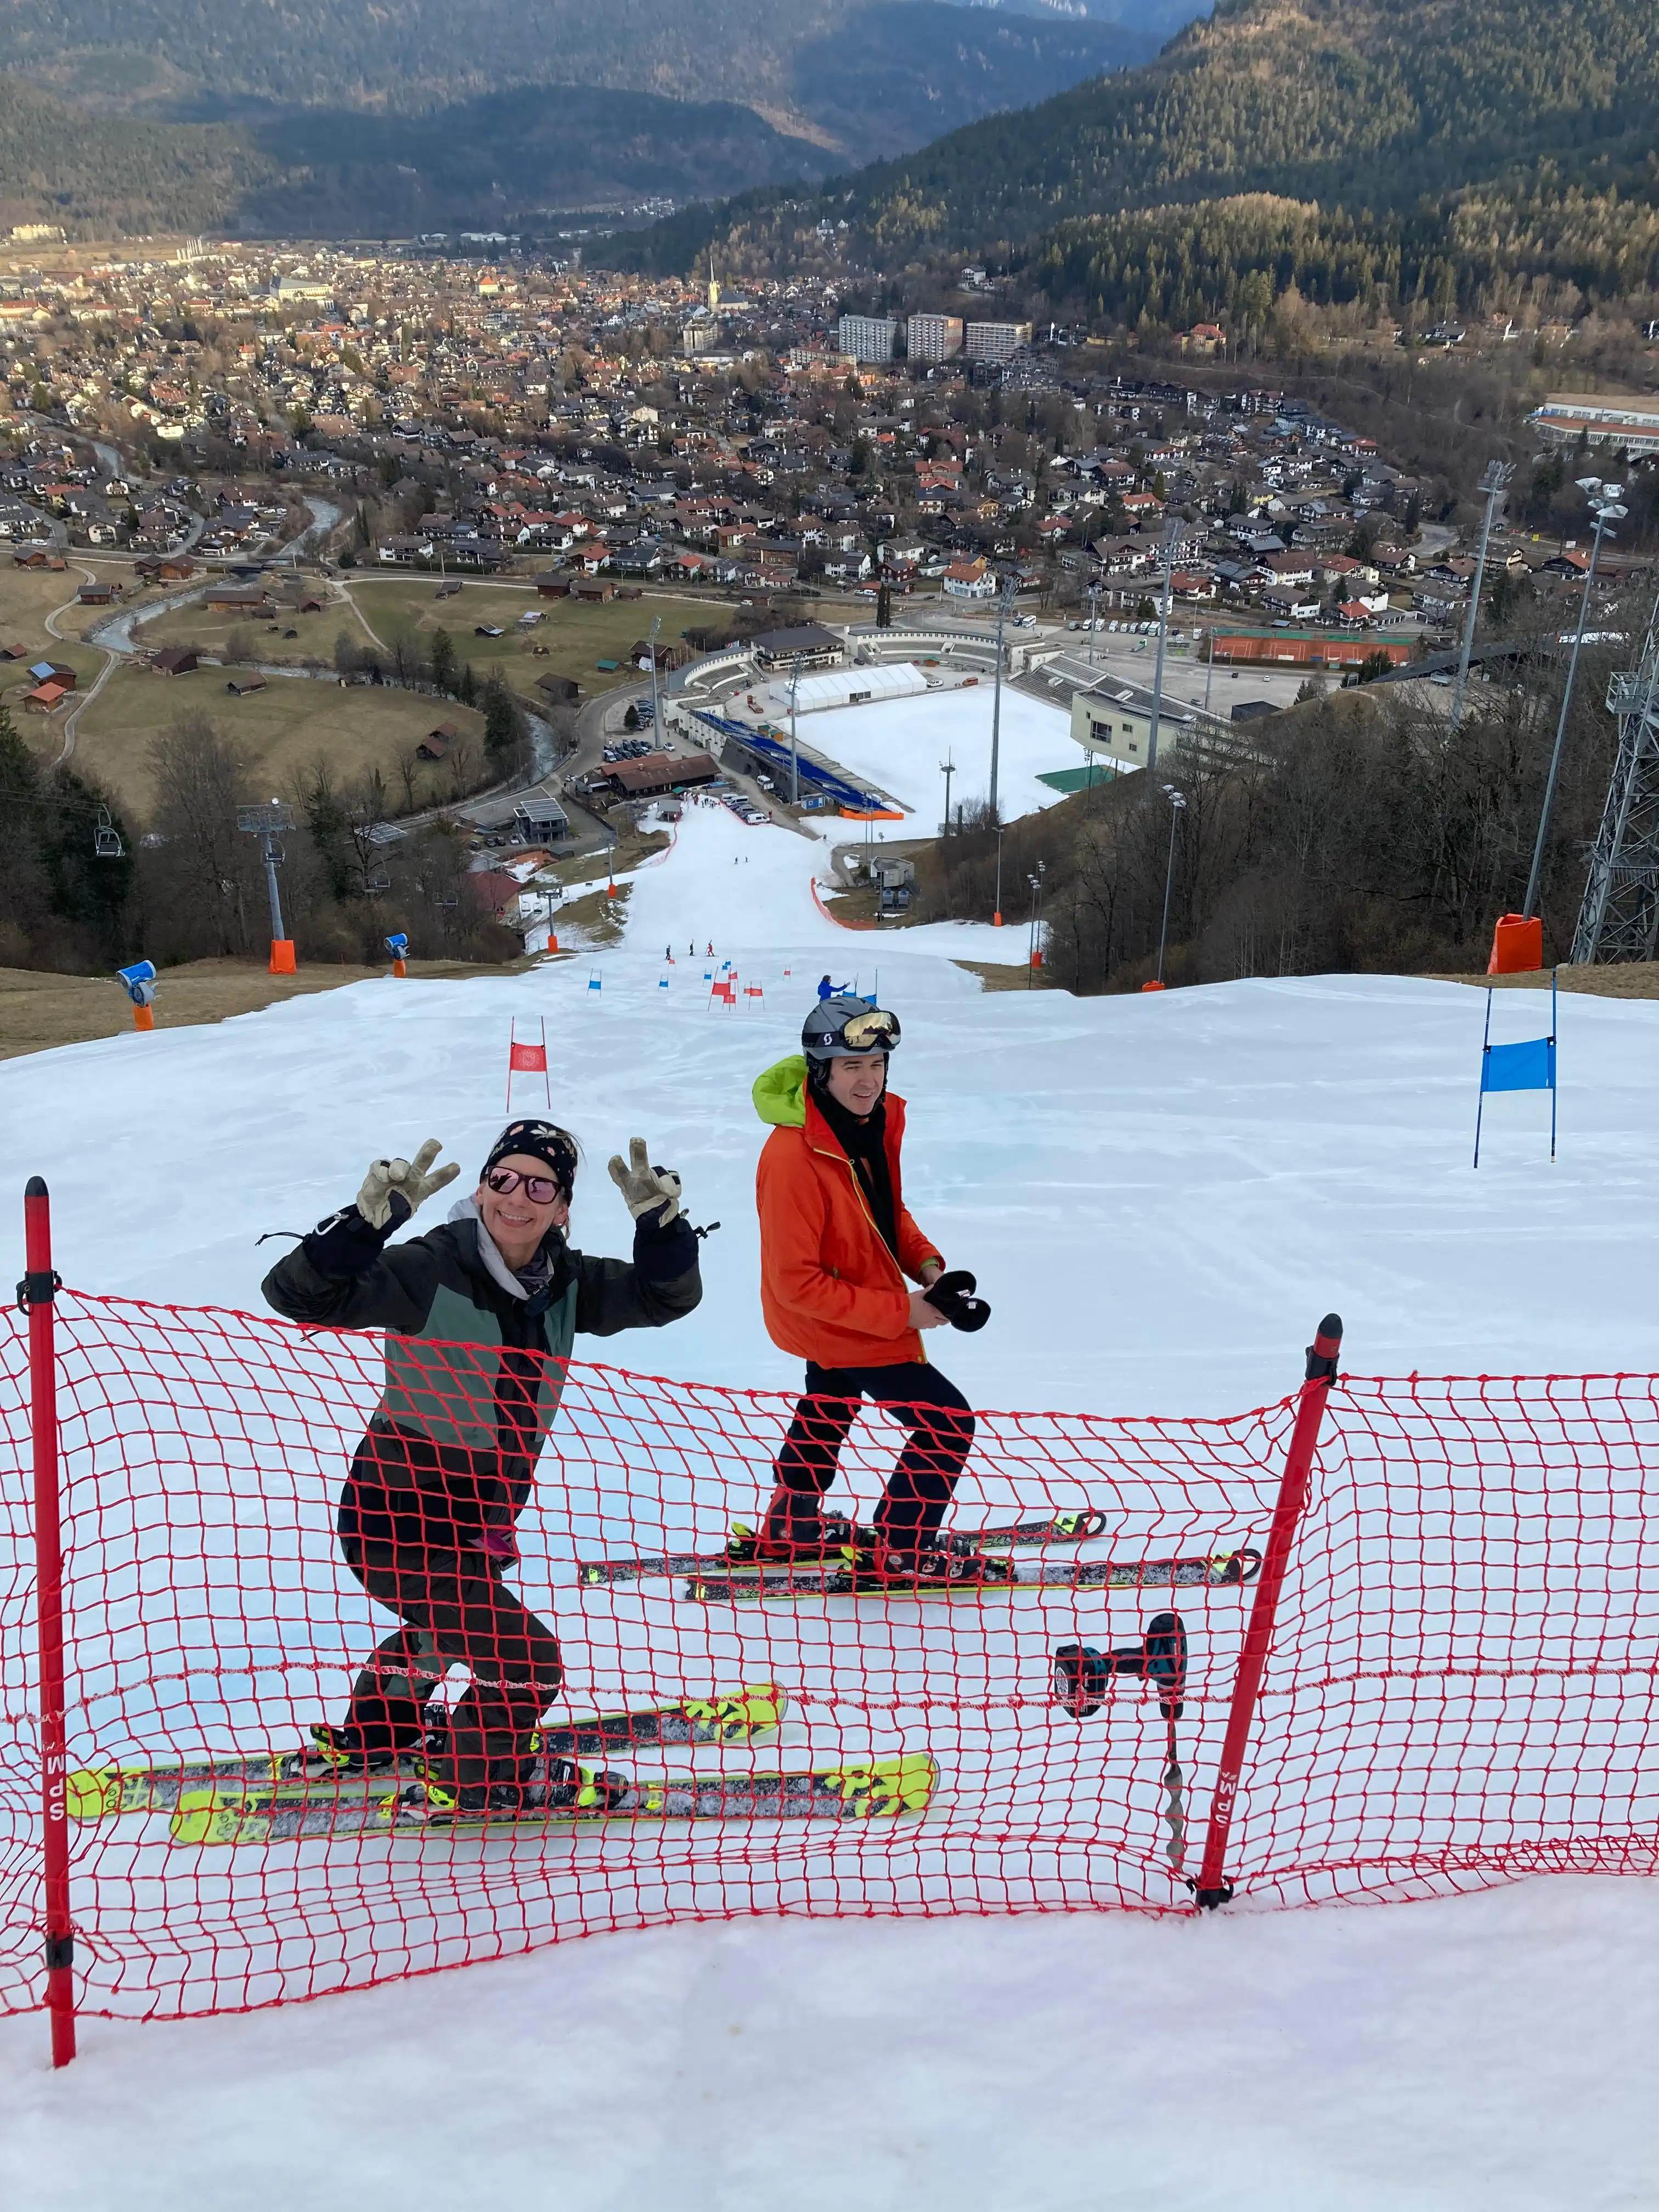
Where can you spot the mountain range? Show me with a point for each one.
(369, 116)
(1410, 146)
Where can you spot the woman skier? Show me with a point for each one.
(836, 1248)
(480, 1315)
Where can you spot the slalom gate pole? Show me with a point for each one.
(1480, 1103)
(36, 1294)
(1211, 1889)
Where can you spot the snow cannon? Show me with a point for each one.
(398, 945)
(139, 983)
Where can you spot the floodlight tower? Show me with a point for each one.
(1604, 505)
(1494, 483)
(1177, 805)
(794, 741)
(1162, 640)
(1004, 600)
(1620, 917)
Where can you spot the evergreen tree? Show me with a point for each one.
(445, 673)
(506, 732)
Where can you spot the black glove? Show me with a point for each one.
(953, 1294)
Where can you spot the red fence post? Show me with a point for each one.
(1212, 1889)
(36, 1294)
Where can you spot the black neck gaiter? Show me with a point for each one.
(865, 1144)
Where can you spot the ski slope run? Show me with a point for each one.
(1160, 1196)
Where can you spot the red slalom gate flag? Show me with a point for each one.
(525, 1059)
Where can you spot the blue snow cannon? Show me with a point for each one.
(139, 981)
(398, 945)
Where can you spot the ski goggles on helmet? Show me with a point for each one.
(838, 1031)
(876, 1031)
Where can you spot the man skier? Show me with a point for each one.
(836, 1247)
(480, 1317)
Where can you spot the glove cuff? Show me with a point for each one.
(661, 1254)
(346, 1244)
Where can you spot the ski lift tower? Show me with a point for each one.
(267, 824)
(1620, 917)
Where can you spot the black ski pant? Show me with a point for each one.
(925, 1402)
(455, 1611)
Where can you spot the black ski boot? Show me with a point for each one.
(349, 1750)
(796, 1528)
(1082, 1674)
(563, 1785)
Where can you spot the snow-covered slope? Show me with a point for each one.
(1160, 1195)
(1492, 2055)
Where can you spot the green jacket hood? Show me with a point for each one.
(780, 1095)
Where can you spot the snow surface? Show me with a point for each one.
(899, 744)
(1160, 1195)
(1492, 2055)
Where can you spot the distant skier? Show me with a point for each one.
(826, 989)
(836, 1247)
(427, 1514)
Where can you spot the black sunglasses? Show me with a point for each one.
(540, 1190)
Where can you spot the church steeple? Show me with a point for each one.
(713, 286)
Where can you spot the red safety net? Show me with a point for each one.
(1459, 1689)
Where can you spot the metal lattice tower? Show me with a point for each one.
(1620, 917)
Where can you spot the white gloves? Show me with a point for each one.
(411, 1181)
(644, 1187)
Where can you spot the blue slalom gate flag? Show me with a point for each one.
(1528, 1066)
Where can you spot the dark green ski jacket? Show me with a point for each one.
(474, 1373)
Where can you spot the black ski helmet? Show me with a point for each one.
(846, 1028)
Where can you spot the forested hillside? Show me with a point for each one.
(1370, 115)
(116, 174)
(856, 78)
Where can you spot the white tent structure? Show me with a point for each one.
(851, 687)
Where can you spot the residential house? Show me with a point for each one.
(1290, 603)
(970, 580)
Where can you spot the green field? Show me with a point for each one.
(573, 635)
(279, 730)
(28, 597)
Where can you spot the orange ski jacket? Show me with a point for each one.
(830, 1290)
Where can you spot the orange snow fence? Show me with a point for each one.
(1422, 1620)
